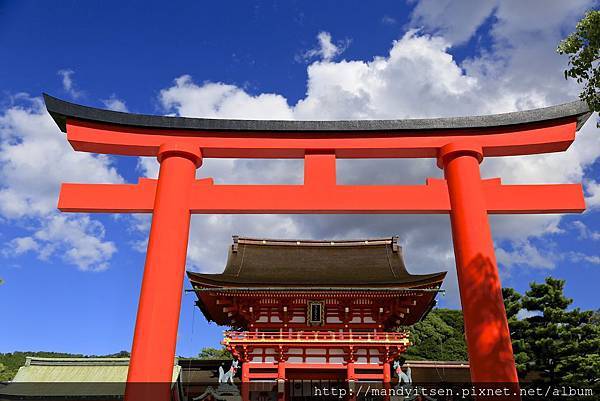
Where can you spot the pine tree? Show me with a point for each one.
(560, 345)
(513, 305)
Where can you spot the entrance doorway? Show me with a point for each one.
(315, 384)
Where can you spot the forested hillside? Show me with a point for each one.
(439, 337)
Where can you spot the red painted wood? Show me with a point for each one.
(551, 136)
(235, 199)
(245, 372)
(153, 350)
(370, 376)
(387, 374)
(464, 195)
(431, 198)
(351, 375)
(488, 338)
(323, 335)
(251, 376)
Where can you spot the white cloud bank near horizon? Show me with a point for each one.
(417, 78)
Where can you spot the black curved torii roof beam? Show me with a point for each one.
(61, 110)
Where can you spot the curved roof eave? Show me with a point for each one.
(219, 280)
(60, 110)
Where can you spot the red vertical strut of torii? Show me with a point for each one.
(180, 144)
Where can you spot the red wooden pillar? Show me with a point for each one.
(488, 338)
(245, 380)
(387, 379)
(350, 372)
(245, 391)
(245, 371)
(351, 377)
(387, 372)
(153, 351)
(281, 396)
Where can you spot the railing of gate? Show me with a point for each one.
(310, 336)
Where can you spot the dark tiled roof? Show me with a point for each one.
(61, 110)
(354, 263)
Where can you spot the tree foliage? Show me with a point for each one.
(558, 345)
(583, 48)
(552, 342)
(440, 336)
(512, 304)
(214, 353)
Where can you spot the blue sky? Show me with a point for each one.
(71, 282)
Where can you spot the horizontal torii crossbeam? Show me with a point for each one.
(432, 198)
(459, 145)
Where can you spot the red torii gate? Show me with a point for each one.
(459, 145)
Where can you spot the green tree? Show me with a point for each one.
(440, 336)
(214, 353)
(513, 305)
(561, 345)
(583, 48)
(120, 354)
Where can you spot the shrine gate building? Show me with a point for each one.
(305, 309)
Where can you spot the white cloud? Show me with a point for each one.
(217, 99)
(35, 159)
(578, 257)
(115, 104)
(585, 232)
(418, 78)
(456, 20)
(326, 50)
(77, 240)
(68, 83)
(525, 254)
(387, 20)
(518, 20)
(592, 187)
(21, 245)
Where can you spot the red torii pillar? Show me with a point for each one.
(157, 320)
(488, 337)
(180, 145)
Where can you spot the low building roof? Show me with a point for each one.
(260, 262)
(72, 377)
